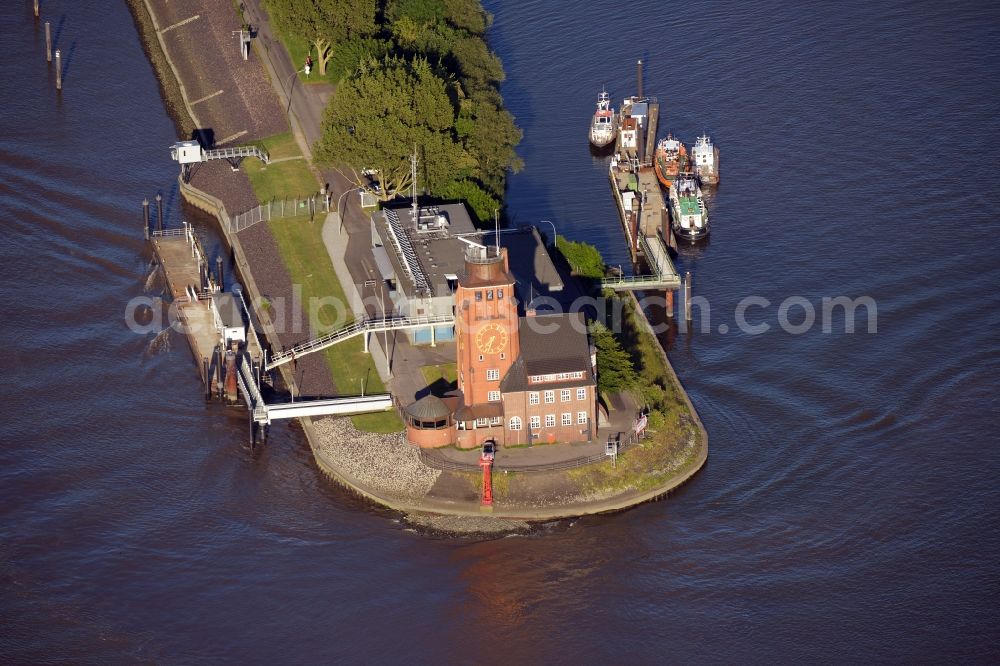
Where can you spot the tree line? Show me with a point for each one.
(413, 76)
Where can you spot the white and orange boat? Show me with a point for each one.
(671, 159)
(602, 127)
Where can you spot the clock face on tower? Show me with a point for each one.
(491, 339)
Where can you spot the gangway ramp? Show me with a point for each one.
(362, 326)
(664, 275)
(264, 413)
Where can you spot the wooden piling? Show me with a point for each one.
(638, 77)
(207, 376)
(669, 303)
(687, 296)
(48, 41)
(58, 70)
(159, 203)
(145, 218)
(36, 8)
(220, 274)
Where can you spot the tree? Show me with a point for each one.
(615, 370)
(481, 204)
(324, 22)
(491, 140)
(381, 113)
(583, 258)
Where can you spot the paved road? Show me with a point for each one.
(349, 244)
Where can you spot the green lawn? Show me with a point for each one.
(284, 180)
(387, 421)
(300, 243)
(445, 371)
(281, 146)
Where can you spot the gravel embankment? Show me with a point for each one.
(384, 463)
(469, 525)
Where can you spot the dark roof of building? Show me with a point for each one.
(428, 408)
(483, 410)
(529, 261)
(438, 253)
(229, 309)
(550, 344)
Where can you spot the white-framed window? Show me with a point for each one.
(493, 375)
(581, 417)
(493, 396)
(535, 422)
(515, 423)
(564, 395)
(567, 418)
(496, 420)
(533, 398)
(550, 397)
(482, 422)
(550, 420)
(581, 394)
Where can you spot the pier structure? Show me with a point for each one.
(219, 327)
(187, 153)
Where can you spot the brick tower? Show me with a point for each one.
(487, 338)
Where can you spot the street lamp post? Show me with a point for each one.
(291, 90)
(555, 236)
(341, 198)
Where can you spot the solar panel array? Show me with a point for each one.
(405, 250)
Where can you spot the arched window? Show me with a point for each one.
(515, 423)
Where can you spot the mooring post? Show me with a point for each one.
(48, 41)
(687, 296)
(669, 303)
(159, 209)
(145, 218)
(218, 369)
(219, 273)
(638, 76)
(36, 8)
(58, 70)
(208, 378)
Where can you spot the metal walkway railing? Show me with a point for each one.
(237, 152)
(366, 325)
(665, 275)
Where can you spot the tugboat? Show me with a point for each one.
(706, 160)
(602, 128)
(687, 208)
(671, 159)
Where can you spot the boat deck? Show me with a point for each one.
(689, 206)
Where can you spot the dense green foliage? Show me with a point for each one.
(481, 204)
(418, 75)
(324, 23)
(583, 258)
(615, 370)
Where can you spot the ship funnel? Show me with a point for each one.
(638, 77)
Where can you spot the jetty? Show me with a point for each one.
(639, 201)
(232, 360)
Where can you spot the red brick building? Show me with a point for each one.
(521, 380)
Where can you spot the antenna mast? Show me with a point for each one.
(413, 183)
